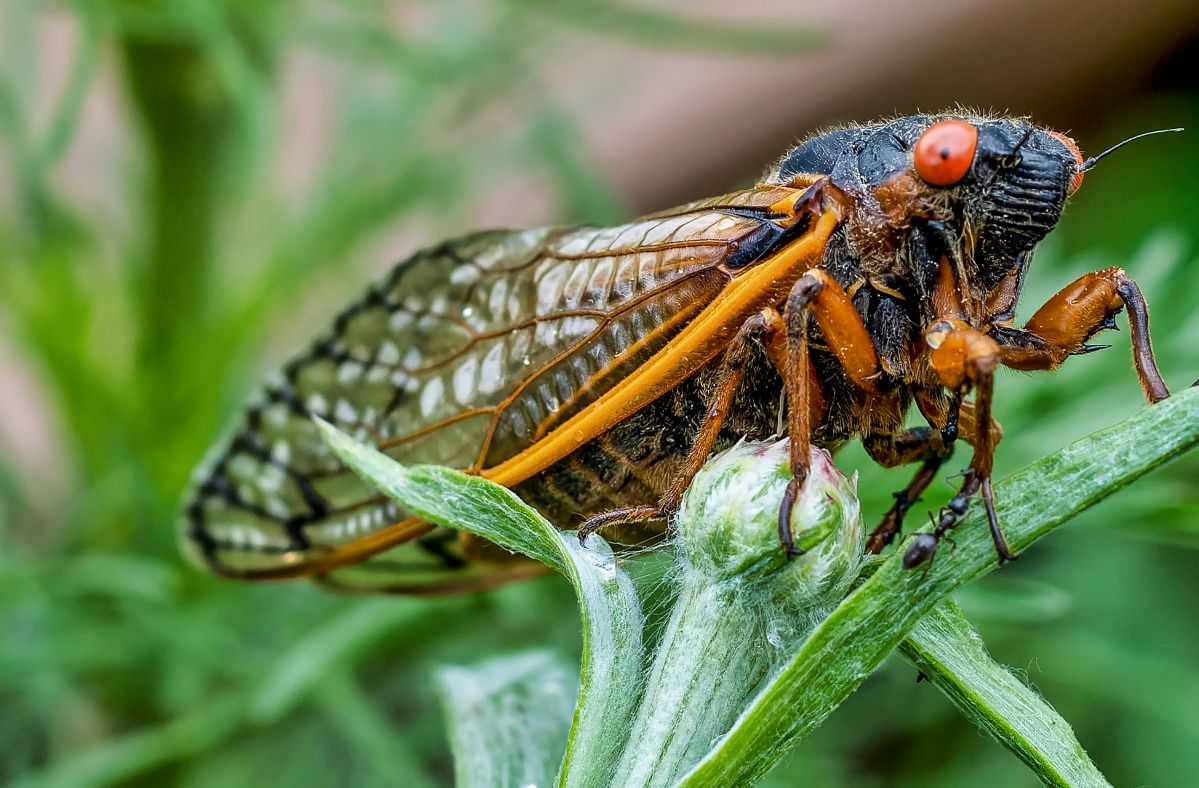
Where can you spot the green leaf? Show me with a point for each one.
(454, 499)
(947, 650)
(611, 672)
(508, 718)
(611, 677)
(876, 617)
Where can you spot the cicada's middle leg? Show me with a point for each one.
(948, 418)
(928, 446)
(817, 296)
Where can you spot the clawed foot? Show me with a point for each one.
(632, 514)
(924, 547)
(786, 539)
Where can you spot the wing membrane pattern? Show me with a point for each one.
(464, 355)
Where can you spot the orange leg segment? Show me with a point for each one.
(964, 358)
(839, 322)
(817, 296)
(1087, 305)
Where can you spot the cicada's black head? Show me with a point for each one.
(980, 191)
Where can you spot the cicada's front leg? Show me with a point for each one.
(1062, 327)
(965, 359)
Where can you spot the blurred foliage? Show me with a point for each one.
(143, 322)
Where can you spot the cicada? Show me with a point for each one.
(594, 369)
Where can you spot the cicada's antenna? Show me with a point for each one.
(1091, 162)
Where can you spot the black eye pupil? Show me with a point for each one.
(944, 153)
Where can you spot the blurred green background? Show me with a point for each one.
(190, 189)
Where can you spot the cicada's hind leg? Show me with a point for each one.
(763, 328)
(1062, 327)
(817, 296)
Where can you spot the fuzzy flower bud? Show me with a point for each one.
(742, 606)
(728, 521)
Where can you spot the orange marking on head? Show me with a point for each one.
(1071, 146)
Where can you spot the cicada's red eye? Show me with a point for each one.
(945, 151)
(1071, 146)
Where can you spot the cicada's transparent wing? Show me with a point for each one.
(466, 354)
(274, 498)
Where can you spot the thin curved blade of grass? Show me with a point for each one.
(119, 761)
(658, 28)
(947, 650)
(369, 734)
(64, 120)
(611, 672)
(300, 669)
(875, 618)
(508, 718)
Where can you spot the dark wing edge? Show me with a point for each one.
(271, 499)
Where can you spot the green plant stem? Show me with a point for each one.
(189, 124)
(742, 607)
(947, 650)
(611, 672)
(711, 659)
(875, 618)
